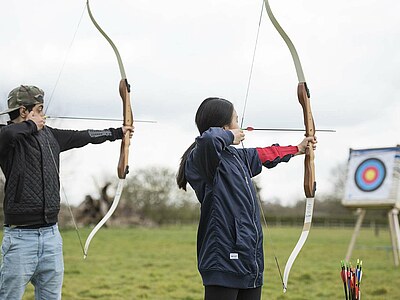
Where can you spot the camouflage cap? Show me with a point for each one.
(23, 95)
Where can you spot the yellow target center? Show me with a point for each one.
(370, 175)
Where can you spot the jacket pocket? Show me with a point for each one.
(238, 237)
(13, 192)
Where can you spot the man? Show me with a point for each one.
(29, 159)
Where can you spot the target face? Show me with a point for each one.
(370, 174)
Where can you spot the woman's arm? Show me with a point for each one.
(271, 156)
(209, 146)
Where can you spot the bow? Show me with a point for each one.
(123, 168)
(303, 95)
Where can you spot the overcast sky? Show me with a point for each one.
(178, 52)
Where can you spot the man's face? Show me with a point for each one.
(38, 109)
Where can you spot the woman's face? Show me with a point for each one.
(234, 122)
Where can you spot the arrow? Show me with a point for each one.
(98, 119)
(343, 275)
(249, 128)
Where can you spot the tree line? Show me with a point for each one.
(151, 198)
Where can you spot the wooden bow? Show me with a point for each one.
(123, 168)
(303, 95)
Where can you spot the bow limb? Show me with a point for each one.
(123, 168)
(110, 212)
(303, 95)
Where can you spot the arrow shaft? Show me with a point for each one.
(285, 129)
(98, 119)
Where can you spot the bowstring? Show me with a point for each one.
(246, 159)
(251, 67)
(65, 197)
(65, 59)
(48, 143)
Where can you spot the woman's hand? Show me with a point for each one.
(304, 143)
(238, 136)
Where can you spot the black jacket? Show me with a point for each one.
(229, 240)
(29, 159)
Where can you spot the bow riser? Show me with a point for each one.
(309, 169)
(310, 185)
(124, 91)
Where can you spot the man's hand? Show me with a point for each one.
(131, 130)
(39, 119)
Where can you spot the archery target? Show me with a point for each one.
(373, 177)
(370, 174)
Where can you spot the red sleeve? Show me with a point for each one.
(276, 153)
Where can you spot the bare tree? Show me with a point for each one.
(153, 194)
(91, 210)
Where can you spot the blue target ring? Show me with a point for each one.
(370, 174)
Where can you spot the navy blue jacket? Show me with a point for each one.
(229, 240)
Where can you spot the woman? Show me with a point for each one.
(229, 240)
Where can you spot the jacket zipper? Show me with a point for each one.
(254, 222)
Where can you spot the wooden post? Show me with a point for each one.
(393, 216)
(361, 214)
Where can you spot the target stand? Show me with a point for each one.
(373, 181)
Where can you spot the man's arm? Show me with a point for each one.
(69, 139)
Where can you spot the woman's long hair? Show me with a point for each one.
(212, 112)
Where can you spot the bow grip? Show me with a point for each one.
(303, 95)
(124, 90)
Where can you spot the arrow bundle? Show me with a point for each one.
(351, 278)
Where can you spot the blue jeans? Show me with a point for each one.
(31, 255)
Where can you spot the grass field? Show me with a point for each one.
(160, 263)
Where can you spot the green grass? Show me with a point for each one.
(160, 263)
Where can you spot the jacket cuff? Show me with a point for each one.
(117, 133)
